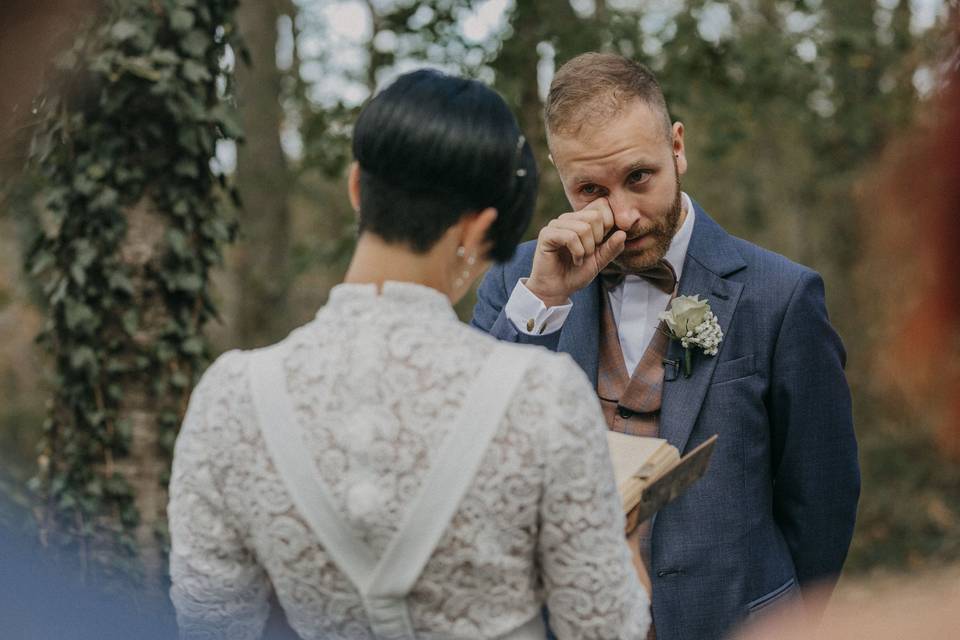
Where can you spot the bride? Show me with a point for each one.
(387, 471)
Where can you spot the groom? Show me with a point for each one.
(775, 512)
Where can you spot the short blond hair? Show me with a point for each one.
(595, 86)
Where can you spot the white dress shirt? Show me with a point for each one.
(636, 304)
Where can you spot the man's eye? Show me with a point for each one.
(589, 189)
(638, 176)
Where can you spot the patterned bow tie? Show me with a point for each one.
(661, 275)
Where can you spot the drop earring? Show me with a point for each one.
(465, 274)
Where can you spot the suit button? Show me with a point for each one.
(624, 413)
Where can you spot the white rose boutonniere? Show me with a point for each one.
(691, 321)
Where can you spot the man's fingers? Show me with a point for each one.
(593, 217)
(552, 239)
(610, 249)
(602, 206)
(582, 229)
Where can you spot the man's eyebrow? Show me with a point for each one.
(643, 163)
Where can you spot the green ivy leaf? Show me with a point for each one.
(96, 171)
(192, 346)
(186, 168)
(84, 185)
(124, 30)
(178, 243)
(141, 67)
(78, 274)
(106, 199)
(78, 315)
(195, 43)
(181, 20)
(181, 207)
(195, 72)
(131, 321)
(41, 262)
(86, 253)
(83, 358)
(163, 57)
(179, 381)
(190, 282)
(124, 429)
(227, 121)
(118, 281)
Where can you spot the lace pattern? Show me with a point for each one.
(377, 381)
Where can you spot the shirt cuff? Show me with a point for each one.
(530, 316)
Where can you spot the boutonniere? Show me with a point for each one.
(691, 322)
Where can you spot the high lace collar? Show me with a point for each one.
(404, 297)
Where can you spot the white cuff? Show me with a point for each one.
(530, 316)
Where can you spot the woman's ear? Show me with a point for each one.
(353, 186)
(474, 230)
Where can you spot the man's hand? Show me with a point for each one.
(572, 250)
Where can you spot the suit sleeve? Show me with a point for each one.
(489, 314)
(816, 472)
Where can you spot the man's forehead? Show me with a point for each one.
(635, 134)
(593, 123)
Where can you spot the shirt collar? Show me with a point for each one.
(677, 253)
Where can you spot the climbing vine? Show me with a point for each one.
(134, 218)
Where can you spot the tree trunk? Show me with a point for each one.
(145, 466)
(262, 268)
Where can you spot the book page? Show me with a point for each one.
(630, 453)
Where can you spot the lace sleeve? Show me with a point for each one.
(218, 590)
(592, 589)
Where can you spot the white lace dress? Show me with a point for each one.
(376, 381)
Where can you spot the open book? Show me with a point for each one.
(650, 472)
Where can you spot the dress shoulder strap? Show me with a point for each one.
(297, 469)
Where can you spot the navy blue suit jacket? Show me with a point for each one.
(776, 509)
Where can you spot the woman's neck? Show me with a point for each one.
(376, 261)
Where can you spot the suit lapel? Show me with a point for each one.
(710, 257)
(580, 336)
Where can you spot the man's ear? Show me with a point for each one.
(473, 234)
(679, 148)
(353, 186)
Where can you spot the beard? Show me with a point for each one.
(667, 220)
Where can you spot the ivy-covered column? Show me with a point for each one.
(134, 220)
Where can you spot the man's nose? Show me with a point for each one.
(625, 214)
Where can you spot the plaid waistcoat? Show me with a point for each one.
(631, 404)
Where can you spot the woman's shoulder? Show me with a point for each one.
(552, 384)
(230, 368)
